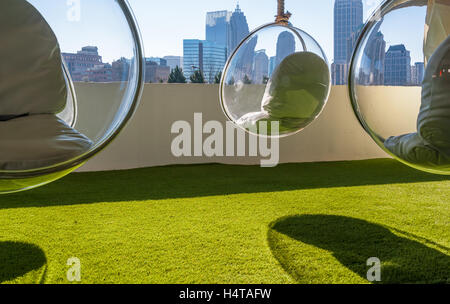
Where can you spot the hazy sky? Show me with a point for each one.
(164, 24)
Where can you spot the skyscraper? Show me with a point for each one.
(272, 62)
(348, 20)
(417, 73)
(397, 68)
(244, 64)
(192, 56)
(218, 27)
(373, 61)
(260, 67)
(205, 56)
(238, 29)
(214, 59)
(285, 46)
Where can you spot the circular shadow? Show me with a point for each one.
(352, 242)
(18, 259)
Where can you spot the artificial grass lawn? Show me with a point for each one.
(296, 223)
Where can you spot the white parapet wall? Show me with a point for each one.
(146, 141)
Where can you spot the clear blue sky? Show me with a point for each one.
(164, 24)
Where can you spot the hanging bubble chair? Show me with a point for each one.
(400, 82)
(278, 74)
(71, 77)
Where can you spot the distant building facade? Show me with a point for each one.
(120, 69)
(339, 72)
(155, 73)
(206, 56)
(218, 27)
(373, 60)
(285, 46)
(157, 60)
(348, 20)
(79, 63)
(260, 67)
(272, 65)
(238, 30)
(417, 73)
(86, 65)
(174, 61)
(397, 69)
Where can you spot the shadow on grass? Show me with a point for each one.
(17, 259)
(352, 242)
(209, 180)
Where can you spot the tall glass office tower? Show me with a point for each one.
(206, 56)
(218, 27)
(214, 58)
(397, 69)
(193, 56)
(238, 29)
(348, 20)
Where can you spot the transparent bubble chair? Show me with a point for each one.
(71, 77)
(399, 82)
(278, 74)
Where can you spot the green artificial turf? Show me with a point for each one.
(296, 223)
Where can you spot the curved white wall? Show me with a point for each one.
(146, 141)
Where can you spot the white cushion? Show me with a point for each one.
(38, 141)
(437, 25)
(31, 74)
(431, 144)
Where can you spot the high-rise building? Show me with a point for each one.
(238, 29)
(174, 61)
(339, 73)
(417, 73)
(285, 46)
(373, 61)
(397, 67)
(206, 56)
(214, 59)
(272, 65)
(260, 67)
(348, 20)
(192, 56)
(218, 27)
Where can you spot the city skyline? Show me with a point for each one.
(314, 17)
(187, 19)
(219, 31)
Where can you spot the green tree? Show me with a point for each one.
(176, 76)
(218, 77)
(197, 77)
(265, 79)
